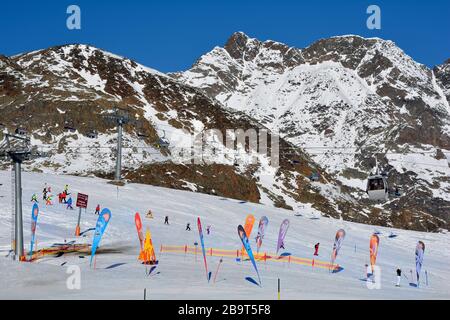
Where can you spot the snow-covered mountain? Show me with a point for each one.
(61, 96)
(346, 101)
(317, 99)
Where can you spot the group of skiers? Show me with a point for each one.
(63, 198)
(188, 225)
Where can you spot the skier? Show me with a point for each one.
(366, 266)
(97, 209)
(63, 197)
(149, 214)
(69, 204)
(282, 245)
(188, 227)
(208, 229)
(49, 201)
(399, 277)
(44, 193)
(166, 220)
(66, 189)
(60, 197)
(34, 198)
(316, 249)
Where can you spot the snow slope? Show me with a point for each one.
(183, 277)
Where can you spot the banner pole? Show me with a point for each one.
(77, 229)
(278, 288)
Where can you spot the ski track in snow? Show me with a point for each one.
(182, 277)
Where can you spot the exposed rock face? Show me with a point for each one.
(442, 73)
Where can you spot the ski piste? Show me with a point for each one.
(246, 244)
(100, 227)
(202, 242)
(119, 241)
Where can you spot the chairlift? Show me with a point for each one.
(68, 126)
(163, 143)
(142, 134)
(396, 192)
(315, 177)
(92, 134)
(20, 131)
(140, 130)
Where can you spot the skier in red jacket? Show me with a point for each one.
(97, 209)
(316, 249)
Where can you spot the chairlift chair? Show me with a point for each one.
(68, 126)
(92, 134)
(315, 176)
(20, 131)
(163, 143)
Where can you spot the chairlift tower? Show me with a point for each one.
(120, 119)
(18, 149)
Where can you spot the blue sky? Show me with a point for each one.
(170, 35)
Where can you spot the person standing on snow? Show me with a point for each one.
(166, 220)
(316, 249)
(399, 277)
(97, 209)
(44, 193)
(66, 189)
(69, 204)
(34, 198)
(208, 229)
(188, 227)
(149, 214)
(366, 266)
(49, 201)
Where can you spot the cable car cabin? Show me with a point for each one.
(377, 188)
(20, 131)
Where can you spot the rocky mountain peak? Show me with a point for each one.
(442, 73)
